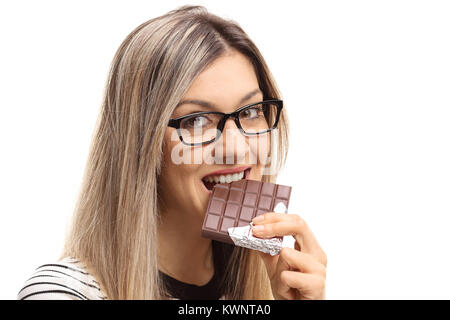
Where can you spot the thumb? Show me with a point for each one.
(270, 262)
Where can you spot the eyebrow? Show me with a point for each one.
(207, 104)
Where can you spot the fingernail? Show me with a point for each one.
(258, 219)
(257, 228)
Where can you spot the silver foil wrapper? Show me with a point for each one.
(243, 237)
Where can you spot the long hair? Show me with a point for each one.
(113, 228)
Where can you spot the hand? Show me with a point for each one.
(295, 274)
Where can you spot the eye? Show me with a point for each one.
(195, 122)
(253, 112)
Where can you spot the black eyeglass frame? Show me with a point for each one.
(175, 123)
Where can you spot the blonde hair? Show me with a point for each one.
(113, 229)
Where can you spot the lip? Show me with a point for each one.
(227, 171)
(246, 170)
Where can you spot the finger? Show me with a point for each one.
(303, 262)
(271, 217)
(303, 281)
(290, 224)
(279, 224)
(270, 262)
(274, 266)
(282, 288)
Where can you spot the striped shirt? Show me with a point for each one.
(65, 280)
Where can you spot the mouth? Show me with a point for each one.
(211, 180)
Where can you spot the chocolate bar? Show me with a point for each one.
(235, 204)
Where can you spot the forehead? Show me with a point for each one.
(227, 79)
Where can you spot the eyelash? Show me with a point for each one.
(195, 111)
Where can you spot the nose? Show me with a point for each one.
(232, 144)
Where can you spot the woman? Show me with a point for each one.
(136, 230)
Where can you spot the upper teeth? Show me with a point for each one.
(225, 178)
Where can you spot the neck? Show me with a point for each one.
(182, 253)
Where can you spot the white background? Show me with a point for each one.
(367, 88)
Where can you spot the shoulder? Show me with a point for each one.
(66, 279)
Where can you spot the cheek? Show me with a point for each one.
(169, 170)
(174, 163)
(266, 144)
(178, 176)
(259, 149)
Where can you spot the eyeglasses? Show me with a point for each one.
(205, 127)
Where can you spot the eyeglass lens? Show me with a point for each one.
(255, 119)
